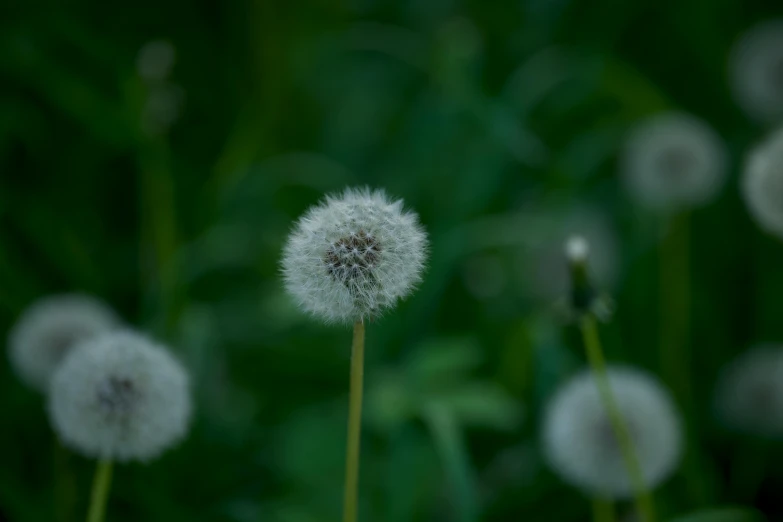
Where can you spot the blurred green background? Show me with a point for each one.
(170, 199)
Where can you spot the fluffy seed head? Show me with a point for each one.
(120, 396)
(353, 256)
(155, 60)
(48, 329)
(756, 72)
(672, 161)
(749, 394)
(581, 446)
(762, 184)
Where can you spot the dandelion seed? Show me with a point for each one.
(762, 184)
(756, 72)
(354, 256)
(580, 443)
(120, 397)
(673, 161)
(749, 394)
(48, 330)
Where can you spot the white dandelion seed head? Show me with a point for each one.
(762, 184)
(673, 160)
(749, 393)
(155, 60)
(756, 72)
(354, 256)
(546, 272)
(120, 396)
(580, 444)
(49, 328)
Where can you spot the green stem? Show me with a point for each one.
(595, 356)
(675, 344)
(351, 499)
(100, 491)
(603, 510)
(453, 453)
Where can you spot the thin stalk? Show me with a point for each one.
(451, 446)
(351, 501)
(675, 342)
(100, 491)
(603, 510)
(595, 356)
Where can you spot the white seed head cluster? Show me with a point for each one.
(756, 72)
(49, 328)
(155, 60)
(673, 160)
(749, 394)
(580, 444)
(762, 184)
(353, 256)
(120, 396)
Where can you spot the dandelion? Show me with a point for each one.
(763, 184)
(352, 257)
(48, 330)
(119, 397)
(749, 394)
(580, 442)
(544, 270)
(756, 72)
(673, 161)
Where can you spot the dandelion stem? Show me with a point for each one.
(595, 356)
(603, 510)
(453, 453)
(350, 505)
(100, 491)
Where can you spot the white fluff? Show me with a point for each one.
(756, 72)
(48, 329)
(579, 442)
(672, 161)
(762, 184)
(749, 394)
(121, 397)
(353, 256)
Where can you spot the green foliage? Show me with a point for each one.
(481, 115)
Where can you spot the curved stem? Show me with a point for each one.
(595, 356)
(100, 491)
(603, 510)
(351, 499)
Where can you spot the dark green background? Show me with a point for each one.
(466, 109)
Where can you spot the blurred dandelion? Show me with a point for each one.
(749, 393)
(756, 72)
(580, 442)
(48, 330)
(119, 397)
(155, 60)
(162, 108)
(350, 258)
(673, 161)
(763, 184)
